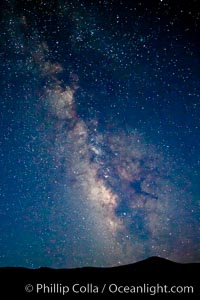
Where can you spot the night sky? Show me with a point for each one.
(99, 132)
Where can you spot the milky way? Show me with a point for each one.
(116, 196)
(122, 187)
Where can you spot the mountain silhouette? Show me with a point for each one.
(154, 271)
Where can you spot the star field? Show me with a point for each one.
(99, 147)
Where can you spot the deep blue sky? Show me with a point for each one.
(137, 67)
